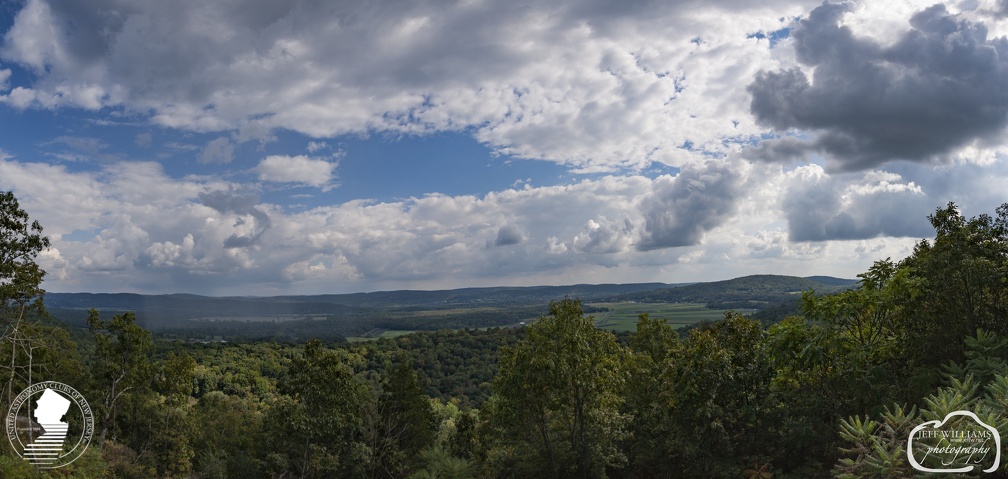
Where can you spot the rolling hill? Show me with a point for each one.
(747, 292)
(336, 316)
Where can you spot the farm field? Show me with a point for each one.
(623, 316)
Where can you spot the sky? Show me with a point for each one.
(253, 147)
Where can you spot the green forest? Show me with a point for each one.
(832, 391)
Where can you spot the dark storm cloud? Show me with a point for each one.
(684, 207)
(232, 202)
(787, 147)
(942, 85)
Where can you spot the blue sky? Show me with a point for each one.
(255, 147)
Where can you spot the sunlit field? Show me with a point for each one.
(623, 316)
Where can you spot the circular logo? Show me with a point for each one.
(50, 424)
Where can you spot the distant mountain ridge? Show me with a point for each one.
(338, 316)
(755, 288)
(308, 304)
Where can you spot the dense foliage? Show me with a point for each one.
(830, 392)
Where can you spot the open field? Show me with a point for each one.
(623, 316)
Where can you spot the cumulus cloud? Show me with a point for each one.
(130, 227)
(296, 169)
(684, 207)
(595, 86)
(819, 207)
(169, 254)
(251, 222)
(145, 231)
(940, 85)
(605, 236)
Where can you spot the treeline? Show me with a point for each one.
(299, 327)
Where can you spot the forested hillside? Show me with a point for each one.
(748, 292)
(831, 392)
(329, 317)
(341, 316)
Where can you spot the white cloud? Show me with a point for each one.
(316, 146)
(130, 227)
(296, 169)
(596, 88)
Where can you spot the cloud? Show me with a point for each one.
(296, 169)
(820, 207)
(219, 151)
(605, 236)
(941, 85)
(130, 227)
(682, 208)
(509, 235)
(597, 87)
(143, 230)
(251, 222)
(600, 87)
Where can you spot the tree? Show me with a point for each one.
(228, 437)
(560, 391)
(718, 392)
(861, 334)
(121, 361)
(20, 288)
(866, 316)
(438, 463)
(956, 284)
(980, 386)
(317, 429)
(656, 349)
(20, 276)
(402, 423)
(172, 441)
